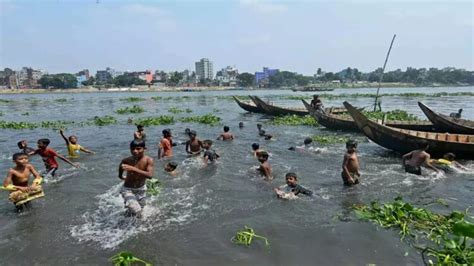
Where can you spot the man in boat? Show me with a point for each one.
(413, 161)
(317, 103)
(456, 115)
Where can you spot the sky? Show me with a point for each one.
(299, 36)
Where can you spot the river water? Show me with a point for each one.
(191, 222)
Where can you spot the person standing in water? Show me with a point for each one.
(139, 168)
(265, 169)
(350, 165)
(226, 135)
(193, 145)
(413, 161)
(73, 148)
(140, 133)
(210, 155)
(165, 148)
(49, 157)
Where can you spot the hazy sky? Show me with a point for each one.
(300, 36)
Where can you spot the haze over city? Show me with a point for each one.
(66, 36)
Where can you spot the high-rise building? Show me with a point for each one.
(262, 78)
(204, 69)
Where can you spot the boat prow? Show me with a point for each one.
(446, 123)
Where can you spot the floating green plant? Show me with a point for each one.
(153, 187)
(25, 114)
(294, 120)
(246, 236)
(61, 100)
(451, 235)
(130, 110)
(156, 98)
(208, 119)
(17, 125)
(155, 121)
(5, 101)
(57, 124)
(398, 115)
(330, 139)
(1, 113)
(127, 259)
(176, 110)
(132, 99)
(104, 120)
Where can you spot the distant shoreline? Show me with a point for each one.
(214, 88)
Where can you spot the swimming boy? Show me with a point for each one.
(23, 145)
(413, 161)
(49, 157)
(140, 133)
(72, 147)
(307, 146)
(209, 154)
(350, 165)
(262, 132)
(226, 135)
(448, 162)
(19, 177)
(193, 145)
(170, 168)
(139, 168)
(291, 189)
(265, 169)
(241, 125)
(256, 149)
(166, 145)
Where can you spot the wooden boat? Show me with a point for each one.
(248, 106)
(337, 122)
(270, 109)
(446, 123)
(403, 141)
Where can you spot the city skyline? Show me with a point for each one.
(298, 37)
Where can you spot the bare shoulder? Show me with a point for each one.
(30, 167)
(128, 160)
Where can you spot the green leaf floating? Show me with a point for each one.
(126, 259)
(153, 187)
(246, 236)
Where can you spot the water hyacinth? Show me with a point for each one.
(156, 98)
(451, 235)
(153, 187)
(17, 125)
(176, 110)
(294, 120)
(208, 119)
(132, 99)
(130, 110)
(127, 259)
(330, 139)
(5, 101)
(246, 236)
(394, 115)
(104, 120)
(61, 100)
(155, 121)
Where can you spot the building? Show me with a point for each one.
(84, 72)
(227, 76)
(204, 69)
(103, 77)
(262, 78)
(146, 75)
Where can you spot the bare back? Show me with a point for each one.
(417, 158)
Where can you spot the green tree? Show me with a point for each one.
(127, 80)
(174, 79)
(58, 81)
(245, 79)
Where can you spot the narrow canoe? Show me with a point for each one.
(274, 110)
(446, 123)
(338, 122)
(404, 141)
(248, 106)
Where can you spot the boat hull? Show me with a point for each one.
(248, 107)
(276, 110)
(445, 123)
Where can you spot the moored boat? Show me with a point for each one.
(446, 123)
(248, 106)
(403, 141)
(274, 110)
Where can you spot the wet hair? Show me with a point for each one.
(291, 174)
(241, 124)
(226, 129)
(255, 146)
(263, 154)
(140, 127)
(172, 165)
(460, 110)
(259, 125)
(72, 136)
(292, 148)
(187, 131)
(166, 132)
(192, 132)
(449, 156)
(315, 96)
(18, 155)
(137, 144)
(207, 142)
(20, 144)
(308, 141)
(44, 141)
(351, 143)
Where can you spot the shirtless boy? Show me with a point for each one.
(226, 135)
(413, 161)
(139, 167)
(256, 149)
(140, 133)
(350, 165)
(73, 148)
(193, 145)
(265, 169)
(19, 177)
(49, 157)
(170, 168)
(166, 145)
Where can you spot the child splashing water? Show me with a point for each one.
(49, 158)
(73, 147)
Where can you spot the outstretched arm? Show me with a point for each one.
(64, 137)
(67, 160)
(429, 165)
(406, 157)
(86, 150)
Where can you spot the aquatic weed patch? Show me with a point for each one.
(398, 115)
(60, 100)
(176, 110)
(155, 121)
(132, 99)
(153, 187)
(246, 236)
(127, 259)
(104, 120)
(130, 110)
(17, 125)
(450, 237)
(294, 120)
(330, 139)
(208, 119)
(6, 101)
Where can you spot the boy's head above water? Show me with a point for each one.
(171, 166)
(449, 156)
(22, 144)
(226, 129)
(351, 145)
(137, 148)
(207, 143)
(259, 126)
(166, 133)
(192, 134)
(291, 179)
(140, 127)
(262, 156)
(308, 141)
(20, 158)
(255, 146)
(73, 139)
(43, 143)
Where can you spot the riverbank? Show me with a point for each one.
(214, 88)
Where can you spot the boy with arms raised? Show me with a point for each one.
(350, 165)
(48, 156)
(19, 177)
(72, 147)
(139, 167)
